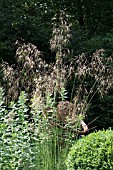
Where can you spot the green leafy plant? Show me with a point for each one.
(15, 140)
(29, 144)
(92, 152)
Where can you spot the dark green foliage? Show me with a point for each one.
(25, 21)
(102, 107)
(30, 21)
(93, 152)
(97, 42)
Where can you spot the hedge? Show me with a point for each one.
(93, 152)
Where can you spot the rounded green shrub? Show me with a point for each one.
(93, 152)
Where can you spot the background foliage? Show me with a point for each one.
(30, 21)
